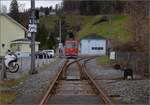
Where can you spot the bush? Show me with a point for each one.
(117, 66)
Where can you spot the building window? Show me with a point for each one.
(100, 48)
(94, 48)
(97, 48)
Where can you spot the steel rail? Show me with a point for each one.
(51, 87)
(103, 96)
(82, 67)
(77, 60)
(67, 66)
(47, 95)
(82, 58)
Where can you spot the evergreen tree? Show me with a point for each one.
(46, 11)
(14, 12)
(64, 28)
(42, 36)
(3, 9)
(24, 18)
(51, 42)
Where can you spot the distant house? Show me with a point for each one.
(12, 36)
(93, 45)
(41, 13)
(45, 11)
(9, 30)
(52, 13)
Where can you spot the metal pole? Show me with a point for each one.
(3, 70)
(60, 30)
(59, 49)
(33, 71)
(21, 64)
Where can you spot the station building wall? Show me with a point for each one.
(93, 47)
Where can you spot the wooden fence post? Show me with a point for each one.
(3, 70)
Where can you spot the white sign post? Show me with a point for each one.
(32, 28)
(112, 55)
(29, 35)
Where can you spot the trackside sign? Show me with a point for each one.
(32, 28)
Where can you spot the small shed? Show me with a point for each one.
(93, 45)
(22, 47)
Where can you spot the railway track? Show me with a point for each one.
(73, 85)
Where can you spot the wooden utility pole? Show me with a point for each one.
(60, 30)
(60, 39)
(148, 53)
(3, 70)
(33, 71)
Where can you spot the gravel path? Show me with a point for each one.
(34, 87)
(131, 92)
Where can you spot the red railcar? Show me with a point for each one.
(71, 48)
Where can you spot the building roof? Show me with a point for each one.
(93, 36)
(23, 41)
(26, 40)
(11, 19)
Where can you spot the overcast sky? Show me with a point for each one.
(26, 3)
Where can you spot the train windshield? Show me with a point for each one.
(71, 45)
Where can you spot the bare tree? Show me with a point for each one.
(21, 7)
(3, 9)
(138, 25)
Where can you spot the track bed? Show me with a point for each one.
(74, 92)
(74, 86)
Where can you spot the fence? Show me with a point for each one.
(137, 61)
(25, 65)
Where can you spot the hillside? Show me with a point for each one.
(115, 31)
(93, 24)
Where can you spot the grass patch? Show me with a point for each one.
(103, 60)
(7, 97)
(74, 20)
(11, 83)
(115, 31)
(45, 66)
(49, 64)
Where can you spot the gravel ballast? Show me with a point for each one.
(131, 92)
(33, 88)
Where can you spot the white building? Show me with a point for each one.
(93, 45)
(12, 37)
(41, 13)
(52, 13)
(9, 30)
